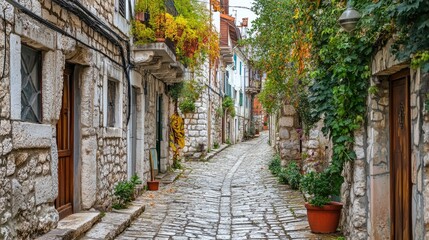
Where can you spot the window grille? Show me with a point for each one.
(31, 85)
(111, 103)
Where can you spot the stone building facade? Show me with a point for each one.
(75, 118)
(370, 189)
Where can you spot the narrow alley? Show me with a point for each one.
(233, 196)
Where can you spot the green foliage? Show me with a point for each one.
(228, 105)
(290, 175)
(177, 164)
(228, 141)
(124, 192)
(189, 93)
(411, 20)
(275, 165)
(293, 175)
(187, 106)
(216, 145)
(175, 90)
(321, 186)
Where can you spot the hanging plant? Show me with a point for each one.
(228, 105)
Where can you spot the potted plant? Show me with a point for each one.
(323, 213)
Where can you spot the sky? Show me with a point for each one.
(242, 13)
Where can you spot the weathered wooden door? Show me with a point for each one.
(159, 120)
(400, 164)
(64, 202)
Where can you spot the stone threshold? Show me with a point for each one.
(169, 177)
(214, 152)
(114, 223)
(73, 226)
(96, 225)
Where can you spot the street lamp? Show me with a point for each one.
(349, 18)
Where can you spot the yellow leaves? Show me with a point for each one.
(296, 15)
(177, 134)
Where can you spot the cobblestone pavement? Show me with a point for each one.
(233, 196)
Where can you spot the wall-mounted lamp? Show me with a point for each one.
(349, 18)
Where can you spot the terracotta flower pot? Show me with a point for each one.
(324, 219)
(140, 16)
(153, 185)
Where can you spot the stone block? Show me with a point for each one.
(31, 135)
(286, 122)
(284, 133)
(39, 35)
(380, 209)
(89, 167)
(15, 77)
(45, 191)
(289, 110)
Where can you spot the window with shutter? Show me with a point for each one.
(122, 8)
(31, 85)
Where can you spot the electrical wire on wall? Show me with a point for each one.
(5, 42)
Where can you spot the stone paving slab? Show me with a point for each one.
(232, 196)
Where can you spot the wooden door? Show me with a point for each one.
(64, 202)
(400, 163)
(159, 120)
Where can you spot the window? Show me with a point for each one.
(111, 103)
(235, 61)
(31, 85)
(122, 8)
(241, 99)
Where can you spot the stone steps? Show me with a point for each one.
(73, 226)
(115, 222)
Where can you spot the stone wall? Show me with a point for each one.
(316, 150)
(28, 152)
(203, 128)
(288, 138)
(419, 89)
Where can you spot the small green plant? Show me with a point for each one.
(216, 145)
(293, 175)
(177, 164)
(275, 165)
(124, 192)
(187, 106)
(227, 141)
(321, 186)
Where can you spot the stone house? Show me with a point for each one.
(386, 191)
(203, 128)
(79, 109)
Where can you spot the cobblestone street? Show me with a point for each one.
(233, 196)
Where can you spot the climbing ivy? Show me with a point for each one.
(302, 47)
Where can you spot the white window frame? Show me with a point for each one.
(113, 73)
(121, 22)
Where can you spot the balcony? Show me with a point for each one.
(160, 60)
(255, 82)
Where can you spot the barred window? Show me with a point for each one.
(111, 103)
(31, 85)
(122, 8)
